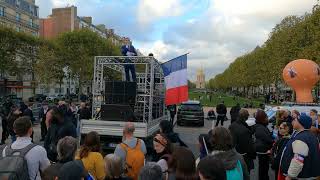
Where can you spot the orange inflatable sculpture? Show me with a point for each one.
(302, 75)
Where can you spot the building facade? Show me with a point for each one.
(22, 16)
(201, 81)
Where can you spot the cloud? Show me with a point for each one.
(149, 11)
(228, 29)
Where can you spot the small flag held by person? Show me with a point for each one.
(176, 80)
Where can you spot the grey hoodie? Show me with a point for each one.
(230, 159)
(119, 151)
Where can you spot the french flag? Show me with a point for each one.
(175, 74)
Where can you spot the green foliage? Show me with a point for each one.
(191, 85)
(293, 38)
(216, 98)
(77, 50)
(17, 52)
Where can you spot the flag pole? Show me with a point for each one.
(176, 57)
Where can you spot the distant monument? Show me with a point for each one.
(201, 80)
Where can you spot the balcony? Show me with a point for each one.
(22, 22)
(23, 6)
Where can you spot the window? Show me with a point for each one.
(56, 90)
(18, 17)
(31, 22)
(1, 11)
(18, 3)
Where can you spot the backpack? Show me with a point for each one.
(14, 166)
(134, 159)
(235, 173)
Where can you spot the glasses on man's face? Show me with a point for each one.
(281, 128)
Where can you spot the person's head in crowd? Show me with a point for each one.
(166, 127)
(302, 122)
(74, 170)
(151, 171)
(128, 130)
(16, 110)
(243, 115)
(23, 126)
(281, 114)
(54, 115)
(91, 144)
(313, 114)
(287, 113)
(82, 105)
(30, 104)
(161, 144)
(66, 149)
(261, 117)
(284, 129)
(183, 164)
(221, 139)
(63, 108)
(211, 168)
(44, 104)
(204, 145)
(113, 166)
(295, 114)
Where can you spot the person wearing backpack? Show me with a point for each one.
(23, 160)
(131, 151)
(223, 149)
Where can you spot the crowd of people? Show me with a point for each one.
(291, 150)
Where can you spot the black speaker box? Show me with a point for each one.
(117, 112)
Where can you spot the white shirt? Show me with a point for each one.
(36, 158)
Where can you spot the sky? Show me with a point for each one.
(214, 32)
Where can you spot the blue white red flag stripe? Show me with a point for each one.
(175, 72)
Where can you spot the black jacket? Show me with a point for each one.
(175, 139)
(28, 112)
(221, 109)
(243, 140)
(55, 133)
(234, 113)
(84, 113)
(263, 137)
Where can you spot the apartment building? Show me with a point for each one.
(22, 16)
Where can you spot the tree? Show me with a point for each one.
(191, 85)
(293, 38)
(49, 67)
(78, 48)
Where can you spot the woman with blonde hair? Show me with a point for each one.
(113, 168)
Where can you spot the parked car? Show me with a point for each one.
(190, 112)
(37, 98)
(51, 98)
(61, 97)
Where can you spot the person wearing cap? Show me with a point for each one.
(301, 156)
